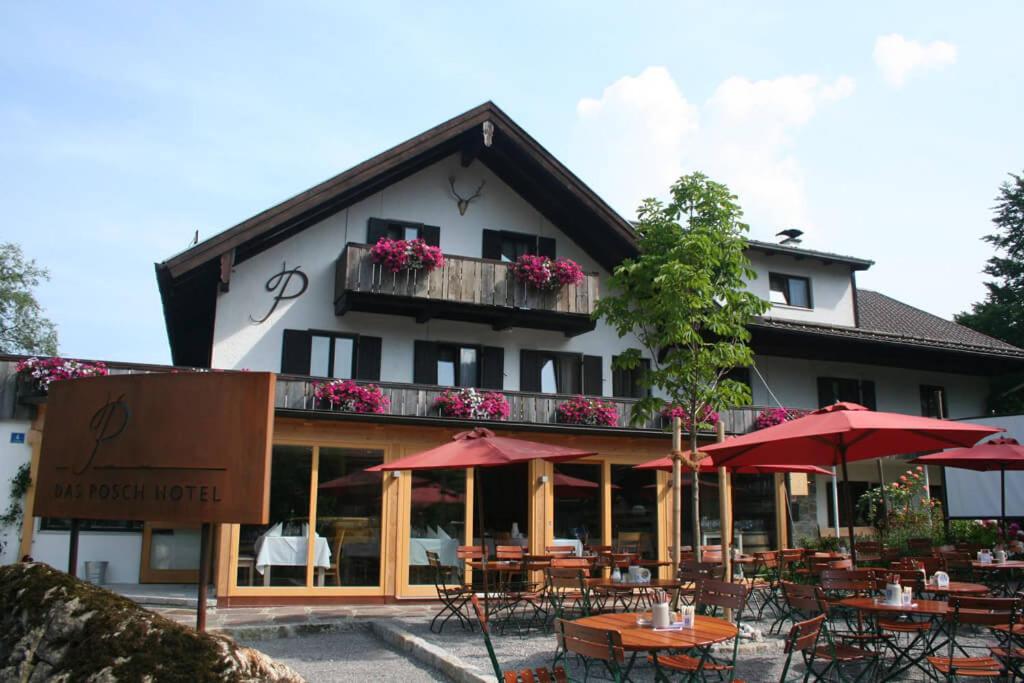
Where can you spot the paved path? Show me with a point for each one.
(345, 656)
(238, 619)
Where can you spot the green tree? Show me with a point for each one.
(685, 298)
(23, 327)
(1001, 313)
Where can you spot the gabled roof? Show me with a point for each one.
(772, 248)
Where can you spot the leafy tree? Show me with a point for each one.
(23, 328)
(685, 299)
(1001, 313)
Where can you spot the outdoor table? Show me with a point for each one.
(934, 610)
(642, 590)
(706, 632)
(1000, 574)
(957, 588)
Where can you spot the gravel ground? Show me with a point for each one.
(345, 656)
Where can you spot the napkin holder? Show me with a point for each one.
(941, 579)
(687, 614)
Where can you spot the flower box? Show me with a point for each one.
(349, 397)
(403, 255)
(769, 417)
(36, 374)
(472, 404)
(542, 272)
(581, 410)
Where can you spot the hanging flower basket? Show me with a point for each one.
(399, 255)
(472, 404)
(580, 410)
(36, 374)
(349, 397)
(542, 272)
(769, 417)
(706, 422)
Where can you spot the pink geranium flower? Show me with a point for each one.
(580, 410)
(45, 371)
(349, 397)
(706, 419)
(472, 404)
(399, 255)
(544, 273)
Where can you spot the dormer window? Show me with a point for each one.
(789, 290)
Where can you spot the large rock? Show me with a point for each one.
(56, 628)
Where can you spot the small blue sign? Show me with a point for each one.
(17, 437)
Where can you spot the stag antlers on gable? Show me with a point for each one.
(463, 202)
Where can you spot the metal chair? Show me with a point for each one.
(453, 597)
(567, 591)
(591, 645)
(539, 675)
(802, 638)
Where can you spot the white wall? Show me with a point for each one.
(123, 550)
(831, 288)
(977, 494)
(423, 197)
(12, 456)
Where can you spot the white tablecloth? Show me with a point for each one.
(574, 542)
(525, 543)
(445, 548)
(290, 551)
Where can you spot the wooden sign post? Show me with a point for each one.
(176, 447)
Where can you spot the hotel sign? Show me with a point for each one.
(174, 447)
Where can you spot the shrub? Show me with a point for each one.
(580, 410)
(399, 255)
(351, 397)
(472, 404)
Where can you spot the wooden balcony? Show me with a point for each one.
(468, 289)
(417, 401)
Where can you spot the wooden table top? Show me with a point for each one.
(1009, 564)
(957, 588)
(705, 631)
(932, 608)
(606, 582)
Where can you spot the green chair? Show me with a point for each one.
(539, 675)
(802, 638)
(591, 645)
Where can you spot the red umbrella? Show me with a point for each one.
(998, 454)
(707, 466)
(356, 479)
(840, 433)
(481, 448)
(433, 494)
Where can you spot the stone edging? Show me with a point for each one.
(428, 654)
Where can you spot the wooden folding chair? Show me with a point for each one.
(453, 597)
(987, 613)
(591, 645)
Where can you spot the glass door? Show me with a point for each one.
(170, 553)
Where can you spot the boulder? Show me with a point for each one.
(56, 628)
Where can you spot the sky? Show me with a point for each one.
(883, 133)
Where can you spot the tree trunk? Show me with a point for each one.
(695, 494)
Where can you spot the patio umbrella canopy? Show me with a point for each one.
(1000, 455)
(842, 433)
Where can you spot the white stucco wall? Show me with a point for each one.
(121, 549)
(423, 197)
(831, 288)
(12, 456)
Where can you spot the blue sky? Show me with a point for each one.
(883, 130)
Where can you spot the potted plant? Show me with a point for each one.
(769, 417)
(471, 404)
(349, 397)
(542, 272)
(36, 374)
(706, 421)
(404, 255)
(580, 410)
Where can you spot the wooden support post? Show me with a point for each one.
(677, 493)
(725, 510)
(73, 548)
(205, 556)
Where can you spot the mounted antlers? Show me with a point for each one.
(463, 202)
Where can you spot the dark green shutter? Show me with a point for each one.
(375, 229)
(431, 234)
(424, 365)
(295, 350)
(492, 367)
(593, 375)
(867, 394)
(492, 244)
(546, 247)
(529, 370)
(368, 358)
(620, 380)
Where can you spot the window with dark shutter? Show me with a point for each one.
(402, 230)
(593, 375)
(505, 245)
(492, 367)
(553, 372)
(626, 383)
(933, 401)
(424, 365)
(295, 352)
(368, 351)
(546, 247)
(847, 390)
(491, 245)
(329, 354)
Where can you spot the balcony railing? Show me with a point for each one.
(465, 288)
(416, 400)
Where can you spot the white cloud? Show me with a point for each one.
(642, 134)
(898, 57)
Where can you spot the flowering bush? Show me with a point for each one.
(472, 404)
(580, 410)
(706, 421)
(903, 509)
(43, 371)
(351, 397)
(769, 417)
(399, 255)
(544, 273)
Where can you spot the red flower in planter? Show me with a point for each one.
(44, 371)
(544, 273)
(350, 397)
(471, 404)
(580, 410)
(399, 255)
(706, 421)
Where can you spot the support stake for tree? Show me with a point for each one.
(677, 493)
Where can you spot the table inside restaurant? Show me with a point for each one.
(290, 551)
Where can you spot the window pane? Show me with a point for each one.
(343, 352)
(320, 357)
(410, 234)
(777, 289)
(437, 522)
(577, 490)
(446, 366)
(569, 375)
(467, 367)
(348, 512)
(275, 554)
(548, 383)
(514, 247)
(798, 292)
(635, 510)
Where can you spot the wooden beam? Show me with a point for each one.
(227, 260)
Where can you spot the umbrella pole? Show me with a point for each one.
(1002, 501)
(790, 531)
(677, 494)
(835, 501)
(848, 503)
(483, 537)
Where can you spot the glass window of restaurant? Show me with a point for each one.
(577, 489)
(634, 510)
(753, 511)
(504, 496)
(437, 521)
(346, 521)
